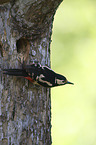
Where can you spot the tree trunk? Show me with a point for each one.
(25, 33)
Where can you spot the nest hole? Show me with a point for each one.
(22, 44)
(23, 48)
(19, 44)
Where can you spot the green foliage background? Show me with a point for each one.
(73, 54)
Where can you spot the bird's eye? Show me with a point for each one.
(59, 82)
(63, 82)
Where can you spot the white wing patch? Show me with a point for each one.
(39, 78)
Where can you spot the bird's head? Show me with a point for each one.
(61, 80)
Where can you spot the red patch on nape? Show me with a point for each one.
(30, 79)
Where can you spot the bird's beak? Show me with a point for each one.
(69, 83)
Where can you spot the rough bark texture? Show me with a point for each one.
(25, 109)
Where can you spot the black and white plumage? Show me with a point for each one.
(37, 74)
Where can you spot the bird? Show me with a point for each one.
(40, 75)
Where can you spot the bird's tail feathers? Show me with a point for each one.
(14, 72)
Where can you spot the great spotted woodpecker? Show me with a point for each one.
(37, 74)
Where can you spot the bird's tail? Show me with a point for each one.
(14, 72)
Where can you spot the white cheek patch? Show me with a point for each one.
(59, 82)
(40, 80)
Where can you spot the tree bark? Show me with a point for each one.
(25, 33)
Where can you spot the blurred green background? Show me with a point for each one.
(73, 54)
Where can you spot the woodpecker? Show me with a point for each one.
(37, 74)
